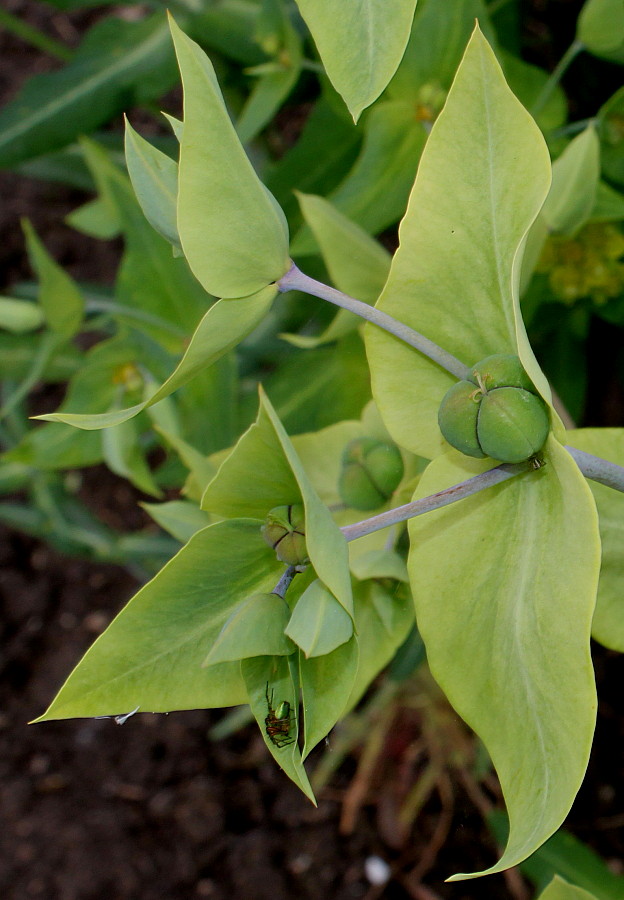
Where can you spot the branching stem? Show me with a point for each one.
(296, 280)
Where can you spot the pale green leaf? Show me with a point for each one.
(233, 234)
(59, 296)
(600, 28)
(181, 518)
(318, 623)
(379, 564)
(154, 177)
(361, 43)
(608, 623)
(151, 655)
(483, 176)
(254, 628)
(19, 316)
(95, 219)
(608, 205)
(123, 454)
(326, 684)
(224, 325)
(504, 586)
(269, 682)
(558, 889)
(575, 176)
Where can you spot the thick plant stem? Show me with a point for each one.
(296, 280)
(556, 75)
(434, 501)
(285, 581)
(598, 469)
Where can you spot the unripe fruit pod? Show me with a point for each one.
(371, 471)
(498, 413)
(284, 530)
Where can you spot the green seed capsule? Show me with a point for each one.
(284, 530)
(497, 413)
(371, 472)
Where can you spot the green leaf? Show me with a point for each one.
(272, 675)
(608, 622)
(565, 855)
(318, 623)
(277, 35)
(58, 295)
(527, 82)
(608, 205)
(234, 235)
(19, 316)
(379, 564)
(154, 177)
(483, 176)
(181, 518)
(224, 325)
(326, 684)
(123, 454)
(119, 64)
(600, 28)
(361, 44)
(375, 192)
(575, 177)
(264, 471)
(611, 132)
(95, 219)
(255, 628)
(357, 264)
(151, 655)
(504, 588)
(558, 889)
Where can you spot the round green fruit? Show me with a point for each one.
(371, 472)
(497, 413)
(284, 530)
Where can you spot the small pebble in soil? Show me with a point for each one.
(376, 870)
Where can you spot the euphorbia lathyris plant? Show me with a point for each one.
(504, 583)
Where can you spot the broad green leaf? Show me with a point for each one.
(504, 586)
(123, 454)
(483, 176)
(600, 28)
(229, 27)
(375, 192)
(95, 219)
(19, 316)
(558, 889)
(180, 518)
(318, 623)
(119, 64)
(151, 655)
(254, 628)
(264, 471)
(224, 325)
(608, 623)
(270, 677)
(201, 469)
(357, 264)
(608, 205)
(383, 619)
(575, 176)
(154, 177)
(379, 564)
(149, 277)
(233, 234)
(527, 82)
(326, 684)
(361, 43)
(440, 32)
(321, 452)
(564, 855)
(59, 296)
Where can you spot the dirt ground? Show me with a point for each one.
(157, 809)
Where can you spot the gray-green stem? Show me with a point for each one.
(592, 467)
(296, 280)
(556, 75)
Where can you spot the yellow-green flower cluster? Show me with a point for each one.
(588, 265)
